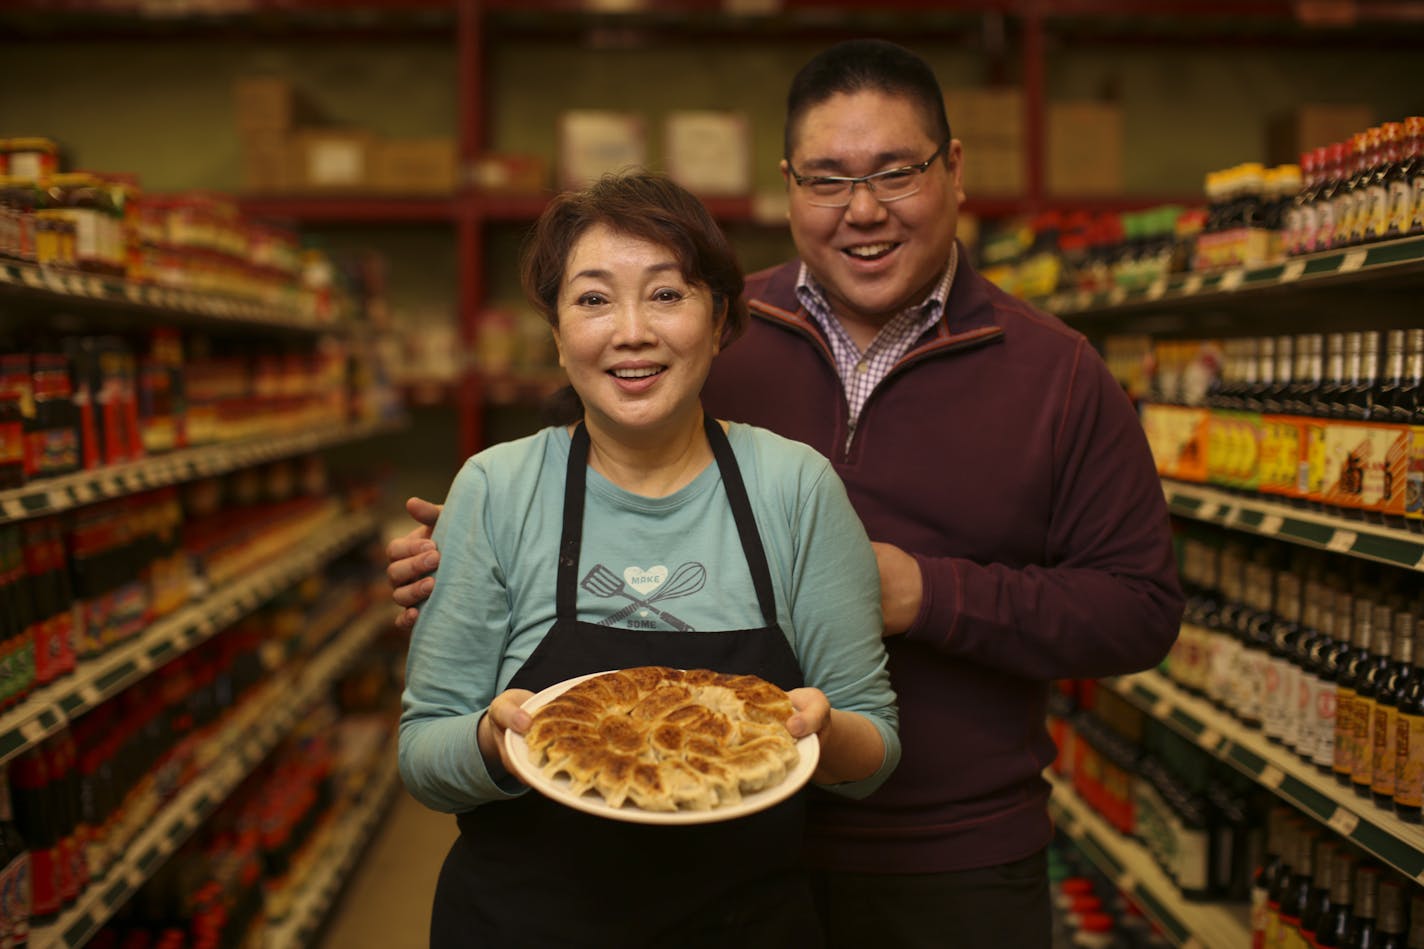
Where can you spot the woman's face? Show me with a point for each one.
(635, 337)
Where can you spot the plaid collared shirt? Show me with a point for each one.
(861, 372)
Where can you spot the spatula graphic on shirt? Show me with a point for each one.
(685, 581)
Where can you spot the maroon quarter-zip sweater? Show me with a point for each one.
(1005, 458)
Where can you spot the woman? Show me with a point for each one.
(641, 290)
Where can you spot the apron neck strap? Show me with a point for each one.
(742, 513)
(572, 541)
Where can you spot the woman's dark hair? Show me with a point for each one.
(865, 65)
(645, 206)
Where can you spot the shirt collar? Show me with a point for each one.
(930, 309)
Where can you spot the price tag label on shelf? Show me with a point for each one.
(1161, 708)
(1232, 279)
(57, 500)
(1208, 510)
(1293, 270)
(1272, 524)
(1353, 261)
(1343, 822)
(6, 276)
(1341, 541)
(1209, 739)
(31, 278)
(1192, 284)
(1117, 295)
(1271, 776)
(12, 507)
(1158, 289)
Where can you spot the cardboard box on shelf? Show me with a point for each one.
(268, 104)
(1310, 126)
(266, 162)
(511, 174)
(594, 142)
(1084, 149)
(331, 158)
(708, 152)
(993, 169)
(415, 166)
(991, 113)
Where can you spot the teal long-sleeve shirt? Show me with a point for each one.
(494, 597)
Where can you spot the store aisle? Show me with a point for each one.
(386, 905)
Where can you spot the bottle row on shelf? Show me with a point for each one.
(83, 402)
(82, 797)
(1327, 421)
(1368, 189)
(1312, 889)
(1315, 651)
(78, 584)
(105, 224)
(1217, 837)
(1195, 816)
(1089, 910)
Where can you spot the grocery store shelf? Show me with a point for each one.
(1259, 515)
(335, 863)
(51, 708)
(259, 726)
(52, 495)
(352, 208)
(1378, 831)
(1376, 263)
(1201, 925)
(90, 293)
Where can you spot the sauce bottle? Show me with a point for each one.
(1317, 904)
(1389, 929)
(1352, 665)
(1372, 198)
(1350, 197)
(1409, 740)
(1280, 887)
(1280, 690)
(1330, 201)
(1267, 872)
(1312, 199)
(1331, 643)
(1402, 198)
(1366, 910)
(1367, 686)
(1386, 726)
(1296, 899)
(1416, 922)
(14, 873)
(1388, 175)
(1337, 927)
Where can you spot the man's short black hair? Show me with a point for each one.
(860, 66)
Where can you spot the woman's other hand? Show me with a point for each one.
(411, 559)
(505, 713)
(812, 715)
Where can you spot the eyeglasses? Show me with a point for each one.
(835, 191)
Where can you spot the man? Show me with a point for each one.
(1021, 531)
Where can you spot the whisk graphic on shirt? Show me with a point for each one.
(685, 581)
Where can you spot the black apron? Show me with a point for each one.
(530, 872)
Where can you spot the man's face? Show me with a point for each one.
(872, 259)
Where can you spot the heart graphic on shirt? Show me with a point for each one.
(645, 579)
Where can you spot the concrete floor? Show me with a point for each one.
(386, 904)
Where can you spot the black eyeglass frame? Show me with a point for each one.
(919, 168)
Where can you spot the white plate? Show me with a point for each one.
(591, 802)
